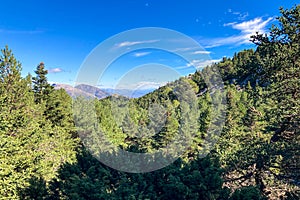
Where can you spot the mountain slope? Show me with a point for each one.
(82, 90)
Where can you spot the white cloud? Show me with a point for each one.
(201, 52)
(131, 43)
(198, 64)
(240, 15)
(140, 54)
(230, 24)
(183, 49)
(193, 50)
(55, 70)
(252, 26)
(216, 42)
(246, 28)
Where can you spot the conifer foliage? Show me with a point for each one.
(29, 145)
(256, 156)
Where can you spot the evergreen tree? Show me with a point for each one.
(281, 64)
(41, 86)
(17, 126)
(281, 70)
(29, 147)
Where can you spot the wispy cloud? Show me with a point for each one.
(198, 64)
(216, 42)
(55, 70)
(193, 50)
(131, 43)
(202, 63)
(184, 49)
(201, 52)
(246, 28)
(240, 15)
(140, 54)
(257, 24)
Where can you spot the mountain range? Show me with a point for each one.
(100, 93)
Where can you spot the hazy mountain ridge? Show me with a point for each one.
(73, 91)
(100, 93)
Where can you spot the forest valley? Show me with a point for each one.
(257, 155)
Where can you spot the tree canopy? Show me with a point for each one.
(44, 154)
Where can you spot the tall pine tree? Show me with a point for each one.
(41, 87)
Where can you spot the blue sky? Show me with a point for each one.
(63, 33)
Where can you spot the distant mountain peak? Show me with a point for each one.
(82, 90)
(100, 93)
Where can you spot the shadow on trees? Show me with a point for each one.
(266, 165)
(90, 179)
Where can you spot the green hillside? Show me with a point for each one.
(49, 143)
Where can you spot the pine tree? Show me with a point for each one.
(281, 70)
(17, 127)
(29, 146)
(41, 87)
(281, 64)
